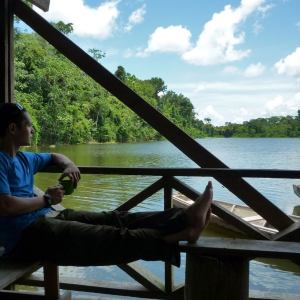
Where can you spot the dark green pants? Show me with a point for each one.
(81, 238)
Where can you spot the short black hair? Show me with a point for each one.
(10, 113)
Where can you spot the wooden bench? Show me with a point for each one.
(11, 271)
(218, 268)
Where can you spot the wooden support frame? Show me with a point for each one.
(174, 134)
(41, 4)
(6, 51)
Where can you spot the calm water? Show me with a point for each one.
(104, 192)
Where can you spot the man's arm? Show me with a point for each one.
(14, 206)
(70, 169)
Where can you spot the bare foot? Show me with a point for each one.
(199, 216)
(198, 210)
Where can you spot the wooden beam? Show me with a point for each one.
(6, 51)
(146, 193)
(127, 289)
(212, 246)
(291, 233)
(196, 172)
(143, 276)
(41, 4)
(174, 134)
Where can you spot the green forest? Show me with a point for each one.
(68, 107)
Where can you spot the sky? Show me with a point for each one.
(235, 60)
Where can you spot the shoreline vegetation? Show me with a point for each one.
(67, 107)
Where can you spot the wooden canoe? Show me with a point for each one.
(242, 211)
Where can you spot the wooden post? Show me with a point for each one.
(51, 280)
(168, 203)
(6, 51)
(216, 278)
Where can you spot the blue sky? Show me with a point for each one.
(235, 60)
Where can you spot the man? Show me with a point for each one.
(31, 230)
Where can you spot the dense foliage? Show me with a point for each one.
(262, 127)
(68, 107)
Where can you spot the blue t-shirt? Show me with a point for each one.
(16, 179)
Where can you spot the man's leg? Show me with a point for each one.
(167, 222)
(74, 243)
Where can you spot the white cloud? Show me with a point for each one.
(298, 25)
(199, 88)
(280, 107)
(97, 22)
(239, 115)
(209, 112)
(231, 70)
(128, 53)
(257, 28)
(217, 42)
(171, 39)
(264, 9)
(289, 65)
(136, 17)
(254, 70)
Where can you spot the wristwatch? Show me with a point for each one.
(48, 200)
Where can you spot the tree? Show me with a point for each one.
(159, 86)
(96, 54)
(121, 74)
(64, 28)
(207, 120)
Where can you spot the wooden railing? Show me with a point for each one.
(151, 286)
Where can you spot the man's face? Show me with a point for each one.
(25, 132)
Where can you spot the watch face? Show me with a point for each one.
(48, 200)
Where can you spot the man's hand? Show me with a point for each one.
(70, 170)
(56, 192)
(73, 173)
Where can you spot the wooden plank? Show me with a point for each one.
(291, 233)
(41, 4)
(194, 172)
(9, 295)
(240, 247)
(103, 287)
(174, 134)
(6, 51)
(143, 276)
(258, 295)
(140, 197)
(11, 271)
(221, 212)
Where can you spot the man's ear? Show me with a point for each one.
(12, 128)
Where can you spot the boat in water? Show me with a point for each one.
(242, 211)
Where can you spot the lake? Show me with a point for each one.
(105, 192)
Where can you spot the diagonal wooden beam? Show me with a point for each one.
(291, 233)
(143, 276)
(41, 4)
(174, 134)
(138, 198)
